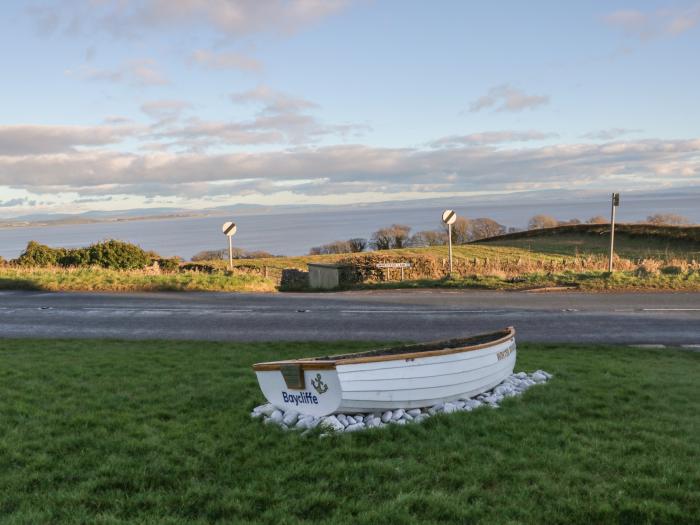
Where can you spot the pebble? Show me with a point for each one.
(514, 385)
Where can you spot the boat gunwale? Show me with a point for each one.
(331, 364)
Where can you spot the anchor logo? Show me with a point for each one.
(319, 385)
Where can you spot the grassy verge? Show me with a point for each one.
(101, 279)
(587, 281)
(158, 432)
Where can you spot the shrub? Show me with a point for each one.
(75, 257)
(357, 244)
(118, 255)
(169, 264)
(671, 270)
(485, 227)
(598, 219)
(37, 254)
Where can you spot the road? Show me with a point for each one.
(648, 318)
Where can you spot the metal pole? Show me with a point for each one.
(612, 233)
(230, 253)
(449, 239)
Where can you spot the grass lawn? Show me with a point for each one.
(159, 432)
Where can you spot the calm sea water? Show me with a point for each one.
(295, 233)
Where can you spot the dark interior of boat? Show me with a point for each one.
(422, 347)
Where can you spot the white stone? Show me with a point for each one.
(355, 427)
(350, 420)
(266, 409)
(387, 416)
(333, 423)
(539, 378)
(399, 421)
(449, 408)
(398, 413)
(414, 412)
(359, 418)
(290, 418)
(407, 416)
(343, 419)
(277, 416)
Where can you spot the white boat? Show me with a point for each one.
(411, 376)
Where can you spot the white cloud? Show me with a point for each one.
(18, 140)
(491, 137)
(671, 21)
(508, 98)
(138, 72)
(610, 133)
(231, 18)
(343, 170)
(165, 109)
(273, 102)
(225, 60)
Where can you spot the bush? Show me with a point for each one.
(170, 264)
(37, 254)
(118, 255)
(668, 219)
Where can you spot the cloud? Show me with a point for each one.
(508, 98)
(165, 109)
(610, 133)
(661, 22)
(11, 203)
(18, 140)
(228, 60)
(347, 169)
(138, 72)
(230, 18)
(490, 137)
(273, 102)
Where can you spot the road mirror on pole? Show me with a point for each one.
(229, 229)
(449, 217)
(614, 204)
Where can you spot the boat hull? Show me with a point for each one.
(389, 382)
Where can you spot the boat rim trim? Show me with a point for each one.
(311, 364)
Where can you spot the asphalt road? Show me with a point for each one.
(647, 318)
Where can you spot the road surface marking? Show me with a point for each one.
(671, 309)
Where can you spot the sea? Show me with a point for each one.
(295, 232)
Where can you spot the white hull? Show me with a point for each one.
(396, 381)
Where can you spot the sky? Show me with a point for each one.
(124, 104)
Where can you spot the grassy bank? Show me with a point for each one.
(123, 432)
(102, 279)
(594, 281)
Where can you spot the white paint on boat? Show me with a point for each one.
(407, 380)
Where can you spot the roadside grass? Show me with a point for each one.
(102, 279)
(98, 431)
(587, 281)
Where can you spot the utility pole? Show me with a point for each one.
(613, 205)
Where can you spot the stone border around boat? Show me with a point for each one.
(514, 385)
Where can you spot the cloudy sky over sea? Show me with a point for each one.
(118, 104)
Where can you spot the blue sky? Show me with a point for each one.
(124, 104)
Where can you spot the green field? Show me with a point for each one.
(159, 432)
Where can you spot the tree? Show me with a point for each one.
(668, 219)
(429, 238)
(484, 227)
(570, 222)
(357, 244)
(598, 219)
(461, 231)
(542, 221)
(395, 236)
